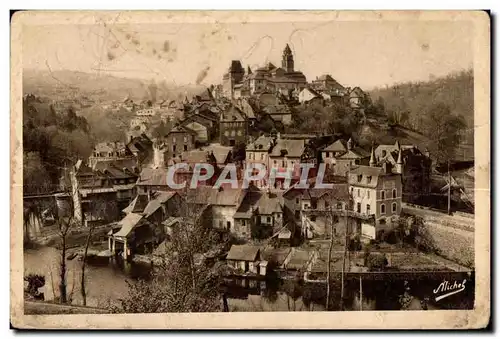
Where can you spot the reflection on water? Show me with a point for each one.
(106, 283)
(105, 280)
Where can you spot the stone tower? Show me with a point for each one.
(287, 61)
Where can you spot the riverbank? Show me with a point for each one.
(76, 237)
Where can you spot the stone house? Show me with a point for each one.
(246, 260)
(377, 192)
(179, 139)
(233, 127)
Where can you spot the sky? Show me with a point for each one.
(356, 53)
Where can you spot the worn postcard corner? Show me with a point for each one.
(252, 169)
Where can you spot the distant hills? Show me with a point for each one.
(412, 100)
(66, 84)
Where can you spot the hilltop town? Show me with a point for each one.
(386, 185)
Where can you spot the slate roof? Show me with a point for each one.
(157, 200)
(355, 153)
(243, 253)
(218, 197)
(262, 143)
(293, 148)
(366, 172)
(313, 92)
(232, 114)
(276, 255)
(270, 203)
(137, 205)
(181, 129)
(128, 223)
(339, 145)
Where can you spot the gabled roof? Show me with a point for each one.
(217, 196)
(137, 205)
(232, 114)
(369, 176)
(128, 223)
(158, 199)
(313, 92)
(181, 129)
(243, 253)
(270, 203)
(262, 143)
(356, 92)
(355, 153)
(291, 148)
(339, 145)
(248, 109)
(117, 169)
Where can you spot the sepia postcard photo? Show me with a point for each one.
(250, 169)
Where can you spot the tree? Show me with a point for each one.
(444, 129)
(182, 282)
(64, 225)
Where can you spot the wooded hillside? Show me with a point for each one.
(408, 104)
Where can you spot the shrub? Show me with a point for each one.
(376, 262)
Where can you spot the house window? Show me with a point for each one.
(382, 221)
(360, 177)
(382, 195)
(268, 220)
(327, 154)
(313, 218)
(359, 192)
(382, 209)
(220, 223)
(367, 208)
(243, 222)
(394, 207)
(327, 204)
(262, 156)
(228, 225)
(185, 148)
(174, 147)
(369, 178)
(358, 207)
(283, 163)
(296, 200)
(339, 205)
(394, 193)
(368, 194)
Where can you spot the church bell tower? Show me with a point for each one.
(287, 61)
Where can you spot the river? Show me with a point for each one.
(106, 283)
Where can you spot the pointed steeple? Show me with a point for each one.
(287, 50)
(249, 71)
(400, 157)
(350, 144)
(399, 163)
(372, 158)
